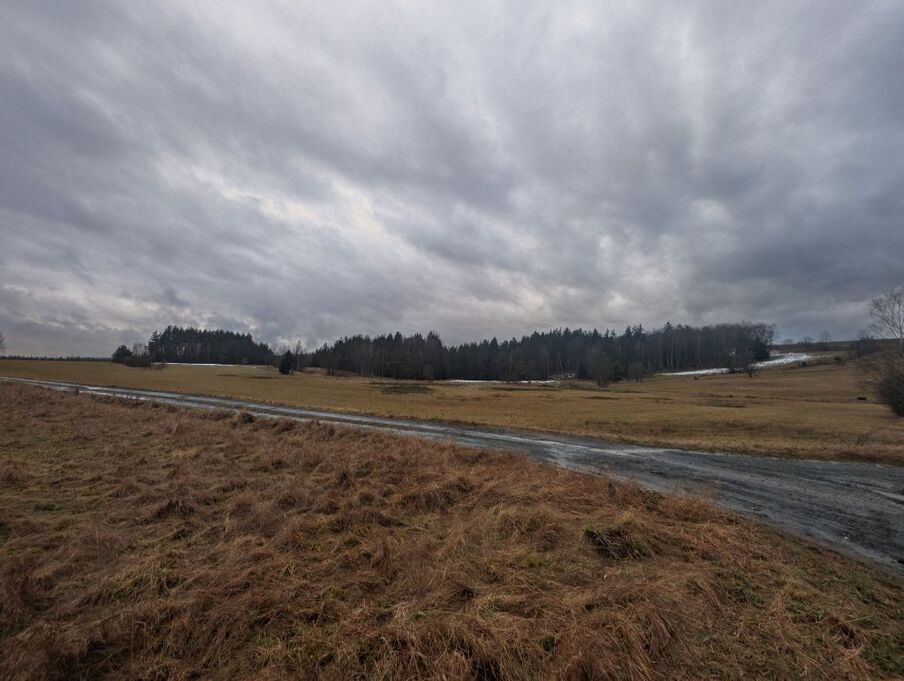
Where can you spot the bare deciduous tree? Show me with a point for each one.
(2, 345)
(886, 368)
(887, 312)
(299, 355)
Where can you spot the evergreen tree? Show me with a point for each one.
(122, 354)
(287, 363)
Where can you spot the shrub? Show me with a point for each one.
(885, 373)
(138, 361)
(890, 389)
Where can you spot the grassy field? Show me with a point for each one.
(804, 412)
(149, 542)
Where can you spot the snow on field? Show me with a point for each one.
(778, 360)
(202, 364)
(472, 380)
(697, 372)
(785, 358)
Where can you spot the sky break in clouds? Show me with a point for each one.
(309, 170)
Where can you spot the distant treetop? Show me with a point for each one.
(177, 344)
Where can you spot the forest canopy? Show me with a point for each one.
(176, 344)
(605, 356)
(602, 356)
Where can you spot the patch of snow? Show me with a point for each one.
(472, 380)
(697, 372)
(785, 358)
(202, 364)
(778, 360)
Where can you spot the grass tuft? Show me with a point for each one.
(622, 539)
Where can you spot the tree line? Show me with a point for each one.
(190, 345)
(605, 356)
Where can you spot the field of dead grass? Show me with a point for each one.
(810, 412)
(150, 542)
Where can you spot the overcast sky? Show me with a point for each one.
(308, 170)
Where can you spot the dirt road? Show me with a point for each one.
(856, 508)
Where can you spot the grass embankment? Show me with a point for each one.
(803, 412)
(150, 542)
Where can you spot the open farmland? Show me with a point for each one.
(812, 412)
(144, 541)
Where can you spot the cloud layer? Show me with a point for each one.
(308, 170)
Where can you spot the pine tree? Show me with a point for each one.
(122, 354)
(287, 363)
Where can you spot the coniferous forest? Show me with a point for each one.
(175, 344)
(605, 356)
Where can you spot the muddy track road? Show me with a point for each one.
(855, 508)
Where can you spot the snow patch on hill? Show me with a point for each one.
(778, 360)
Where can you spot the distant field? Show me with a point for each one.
(142, 542)
(802, 412)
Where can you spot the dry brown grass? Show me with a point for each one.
(148, 542)
(813, 412)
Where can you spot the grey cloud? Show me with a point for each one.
(312, 171)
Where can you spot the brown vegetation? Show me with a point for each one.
(149, 542)
(821, 411)
(883, 372)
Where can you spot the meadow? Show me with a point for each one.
(820, 411)
(143, 541)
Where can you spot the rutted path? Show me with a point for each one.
(857, 508)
